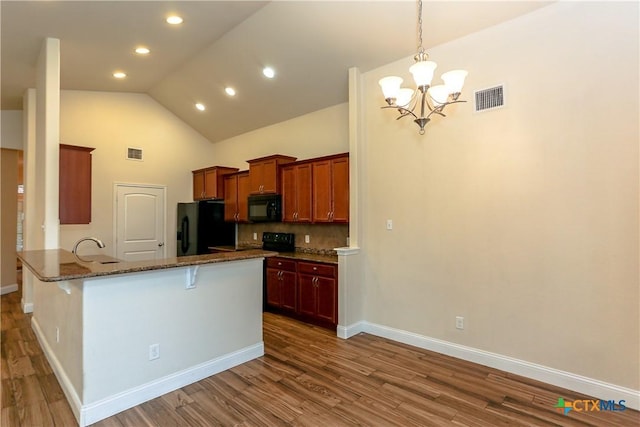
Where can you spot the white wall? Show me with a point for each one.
(112, 122)
(523, 220)
(317, 134)
(11, 129)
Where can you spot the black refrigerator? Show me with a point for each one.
(201, 225)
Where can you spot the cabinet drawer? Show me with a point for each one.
(281, 264)
(317, 269)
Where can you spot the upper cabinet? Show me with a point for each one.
(296, 192)
(263, 174)
(331, 189)
(236, 192)
(208, 183)
(316, 190)
(75, 184)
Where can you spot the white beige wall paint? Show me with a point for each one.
(111, 122)
(47, 137)
(316, 134)
(523, 220)
(11, 129)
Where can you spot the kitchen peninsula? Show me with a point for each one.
(120, 333)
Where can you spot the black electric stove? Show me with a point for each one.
(279, 242)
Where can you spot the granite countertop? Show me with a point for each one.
(55, 265)
(306, 256)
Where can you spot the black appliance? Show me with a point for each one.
(201, 225)
(279, 242)
(265, 208)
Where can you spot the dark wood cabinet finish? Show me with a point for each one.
(318, 291)
(263, 173)
(281, 284)
(236, 192)
(304, 290)
(75, 184)
(208, 183)
(296, 193)
(331, 190)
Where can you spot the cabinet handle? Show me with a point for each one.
(315, 268)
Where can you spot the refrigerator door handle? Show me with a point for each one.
(184, 244)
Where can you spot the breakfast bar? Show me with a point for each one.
(121, 333)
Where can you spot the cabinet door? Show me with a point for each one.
(288, 290)
(326, 299)
(273, 290)
(230, 197)
(211, 190)
(322, 191)
(303, 192)
(75, 184)
(289, 196)
(243, 194)
(263, 176)
(256, 177)
(198, 185)
(306, 294)
(340, 189)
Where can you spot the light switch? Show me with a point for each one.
(389, 224)
(307, 238)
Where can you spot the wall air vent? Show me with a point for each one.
(134, 154)
(489, 99)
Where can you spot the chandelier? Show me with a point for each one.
(426, 100)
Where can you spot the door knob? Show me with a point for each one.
(160, 244)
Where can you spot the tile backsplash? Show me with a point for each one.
(323, 238)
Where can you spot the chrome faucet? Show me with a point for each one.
(95, 239)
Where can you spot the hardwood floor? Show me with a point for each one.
(308, 377)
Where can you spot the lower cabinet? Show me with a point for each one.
(305, 290)
(281, 289)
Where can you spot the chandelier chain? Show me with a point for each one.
(420, 48)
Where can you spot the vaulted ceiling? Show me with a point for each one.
(310, 44)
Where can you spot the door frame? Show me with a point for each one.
(116, 185)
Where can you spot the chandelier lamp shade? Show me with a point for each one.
(424, 101)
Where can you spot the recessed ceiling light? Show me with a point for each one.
(119, 75)
(141, 50)
(230, 91)
(200, 106)
(268, 72)
(174, 20)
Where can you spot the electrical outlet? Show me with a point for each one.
(307, 238)
(389, 224)
(459, 322)
(57, 334)
(154, 351)
(255, 236)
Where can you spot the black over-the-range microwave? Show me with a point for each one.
(265, 208)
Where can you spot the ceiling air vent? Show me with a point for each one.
(134, 153)
(489, 99)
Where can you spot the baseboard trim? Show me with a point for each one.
(58, 370)
(7, 289)
(116, 403)
(568, 380)
(27, 307)
(104, 408)
(346, 332)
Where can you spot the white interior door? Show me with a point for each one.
(140, 222)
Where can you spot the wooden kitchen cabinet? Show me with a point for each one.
(208, 183)
(75, 184)
(296, 192)
(331, 189)
(236, 192)
(263, 174)
(318, 292)
(281, 284)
